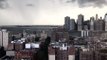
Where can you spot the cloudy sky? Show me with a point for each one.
(47, 12)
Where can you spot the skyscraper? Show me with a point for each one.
(99, 25)
(4, 38)
(96, 16)
(80, 22)
(92, 23)
(72, 25)
(67, 22)
(105, 18)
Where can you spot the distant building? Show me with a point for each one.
(92, 23)
(96, 16)
(61, 36)
(4, 38)
(80, 22)
(67, 23)
(105, 18)
(72, 25)
(99, 25)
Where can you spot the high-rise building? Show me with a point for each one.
(92, 23)
(105, 18)
(96, 16)
(72, 25)
(80, 22)
(67, 22)
(4, 38)
(99, 25)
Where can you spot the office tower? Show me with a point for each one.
(96, 16)
(99, 25)
(102, 25)
(92, 23)
(105, 18)
(72, 25)
(67, 22)
(4, 37)
(80, 22)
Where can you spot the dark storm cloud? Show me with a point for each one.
(3, 4)
(84, 3)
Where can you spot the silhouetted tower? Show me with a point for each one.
(67, 22)
(80, 22)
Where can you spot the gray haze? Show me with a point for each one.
(86, 3)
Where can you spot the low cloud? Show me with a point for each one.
(87, 3)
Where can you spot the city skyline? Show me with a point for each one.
(48, 12)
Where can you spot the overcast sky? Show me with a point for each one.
(49, 12)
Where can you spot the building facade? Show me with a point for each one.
(4, 38)
(61, 53)
(72, 25)
(92, 23)
(80, 22)
(105, 22)
(99, 25)
(67, 23)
